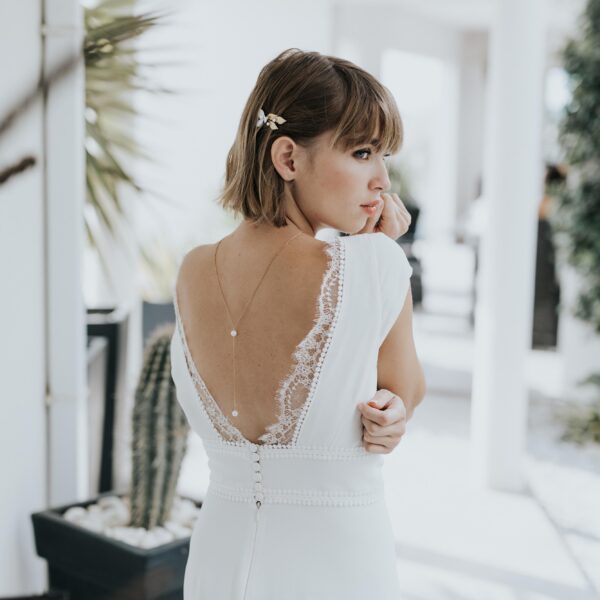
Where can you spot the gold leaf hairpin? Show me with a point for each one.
(269, 119)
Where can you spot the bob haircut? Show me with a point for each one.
(314, 93)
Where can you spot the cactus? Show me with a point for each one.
(160, 432)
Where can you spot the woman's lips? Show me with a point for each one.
(370, 208)
(371, 204)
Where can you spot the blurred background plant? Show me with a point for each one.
(575, 217)
(113, 77)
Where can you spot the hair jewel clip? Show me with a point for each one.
(269, 119)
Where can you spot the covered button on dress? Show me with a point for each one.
(302, 515)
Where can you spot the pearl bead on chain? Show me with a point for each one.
(234, 332)
(234, 412)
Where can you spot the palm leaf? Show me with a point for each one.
(112, 75)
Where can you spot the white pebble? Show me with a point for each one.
(179, 531)
(162, 535)
(75, 514)
(115, 516)
(111, 516)
(149, 540)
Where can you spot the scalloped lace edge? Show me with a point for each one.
(306, 360)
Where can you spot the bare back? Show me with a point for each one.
(279, 317)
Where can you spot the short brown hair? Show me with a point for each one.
(315, 93)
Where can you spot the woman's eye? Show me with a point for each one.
(366, 151)
(363, 151)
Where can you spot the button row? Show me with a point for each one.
(258, 489)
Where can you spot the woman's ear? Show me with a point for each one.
(284, 153)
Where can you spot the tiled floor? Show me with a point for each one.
(454, 540)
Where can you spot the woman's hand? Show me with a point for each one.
(390, 216)
(384, 422)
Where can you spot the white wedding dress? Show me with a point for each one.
(302, 515)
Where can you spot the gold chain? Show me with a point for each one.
(234, 331)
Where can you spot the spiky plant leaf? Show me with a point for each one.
(112, 77)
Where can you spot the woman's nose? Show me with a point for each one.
(381, 179)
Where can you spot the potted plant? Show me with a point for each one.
(574, 218)
(134, 545)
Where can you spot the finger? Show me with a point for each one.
(397, 200)
(382, 398)
(401, 205)
(404, 225)
(382, 403)
(385, 440)
(381, 417)
(380, 209)
(376, 448)
(393, 431)
(373, 218)
(396, 428)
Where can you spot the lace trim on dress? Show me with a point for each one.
(214, 414)
(295, 393)
(296, 390)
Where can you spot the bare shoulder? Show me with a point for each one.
(199, 253)
(197, 261)
(194, 262)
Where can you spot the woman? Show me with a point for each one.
(282, 339)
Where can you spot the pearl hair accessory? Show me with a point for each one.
(269, 119)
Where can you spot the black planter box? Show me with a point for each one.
(48, 596)
(92, 566)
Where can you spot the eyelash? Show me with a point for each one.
(369, 152)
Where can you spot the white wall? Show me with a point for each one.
(22, 359)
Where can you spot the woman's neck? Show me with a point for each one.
(249, 229)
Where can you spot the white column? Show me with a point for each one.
(512, 186)
(65, 311)
(23, 446)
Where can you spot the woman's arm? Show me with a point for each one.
(400, 383)
(398, 366)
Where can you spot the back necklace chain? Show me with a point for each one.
(234, 331)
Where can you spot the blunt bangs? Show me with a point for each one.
(369, 118)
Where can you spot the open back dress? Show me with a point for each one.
(302, 515)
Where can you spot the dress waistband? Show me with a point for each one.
(319, 476)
